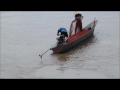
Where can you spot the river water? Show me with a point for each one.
(26, 34)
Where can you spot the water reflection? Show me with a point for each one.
(61, 56)
(78, 49)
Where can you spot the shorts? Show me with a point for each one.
(64, 33)
(61, 38)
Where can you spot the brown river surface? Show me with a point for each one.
(26, 34)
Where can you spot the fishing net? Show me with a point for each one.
(72, 34)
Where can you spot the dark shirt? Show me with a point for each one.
(78, 24)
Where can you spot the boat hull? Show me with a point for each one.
(66, 46)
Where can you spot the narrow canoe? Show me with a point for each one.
(76, 39)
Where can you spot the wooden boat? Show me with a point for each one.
(76, 39)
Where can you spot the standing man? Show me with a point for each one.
(78, 18)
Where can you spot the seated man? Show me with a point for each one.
(63, 35)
